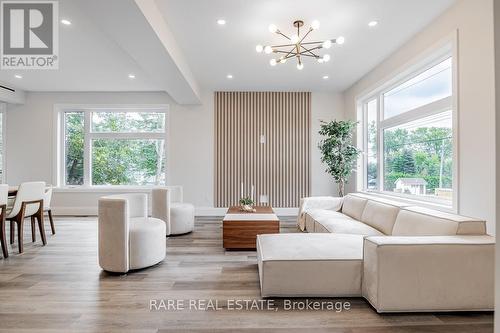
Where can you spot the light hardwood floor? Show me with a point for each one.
(60, 288)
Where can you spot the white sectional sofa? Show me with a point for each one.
(401, 258)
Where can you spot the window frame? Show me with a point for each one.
(444, 50)
(60, 167)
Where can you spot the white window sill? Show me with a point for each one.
(104, 189)
(411, 201)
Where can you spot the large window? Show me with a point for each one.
(408, 136)
(103, 146)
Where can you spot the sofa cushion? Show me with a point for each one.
(353, 206)
(287, 262)
(350, 227)
(419, 221)
(323, 215)
(380, 216)
(381, 199)
(335, 222)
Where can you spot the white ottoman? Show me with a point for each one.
(181, 218)
(167, 205)
(310, 265)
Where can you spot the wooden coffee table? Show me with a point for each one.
(240, 229)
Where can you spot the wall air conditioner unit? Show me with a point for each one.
(11, 95)
(2, 87)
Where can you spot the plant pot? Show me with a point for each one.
(247, 208)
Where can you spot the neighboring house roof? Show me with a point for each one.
(411, 181)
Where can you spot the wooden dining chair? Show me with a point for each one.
(28, 203)
(47, 198)
(4, 195)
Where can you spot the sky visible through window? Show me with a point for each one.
(429, 86)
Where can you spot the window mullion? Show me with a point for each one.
(435, 107)
(87, 160)
(364, 162)
(380, 143)
(62, 151)
(160, 135)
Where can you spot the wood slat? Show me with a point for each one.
(279, 168)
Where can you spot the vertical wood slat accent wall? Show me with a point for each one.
(278, 168)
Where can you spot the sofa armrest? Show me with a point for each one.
(429, 273)
(310, 203)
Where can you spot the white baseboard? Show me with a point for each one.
(212, 211)
(209, 211)
(199, 211)
(75, 211)
(286, 211)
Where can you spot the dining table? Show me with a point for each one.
(14, 188)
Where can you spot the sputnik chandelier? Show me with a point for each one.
(298, 47)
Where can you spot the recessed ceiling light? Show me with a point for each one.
(221, 22)
(131, 76)
(229, 76)
(18, 76)
(66, 22)
(372, 23)
(325, 77)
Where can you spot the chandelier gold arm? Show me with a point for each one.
(309, 43)
(282, 34)
(307, 33)
(287, 45)
(304, 54)
(300, 48)
(289, 55)
(310, 50)
(281, 45)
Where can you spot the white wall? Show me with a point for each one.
(497, 150)
(30, 129)
(30, 150)
(476, 92)
(324, 107)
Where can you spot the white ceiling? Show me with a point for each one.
(94, 58)
(214, 51)
(89, 60)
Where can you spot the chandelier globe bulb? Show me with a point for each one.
(327, 44)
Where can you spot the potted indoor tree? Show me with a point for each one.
(338, 152)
